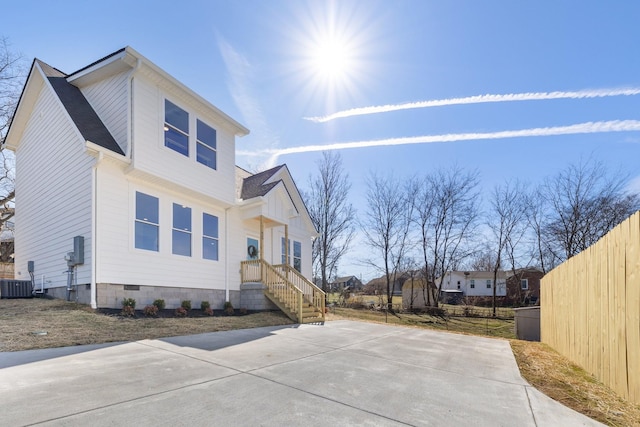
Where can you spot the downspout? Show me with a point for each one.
(129, 152)
(94, 196)
(94, 229)
(226, 254)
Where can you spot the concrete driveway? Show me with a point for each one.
(341, 373)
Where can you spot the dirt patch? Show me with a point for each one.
(27, 324)
(558, 378)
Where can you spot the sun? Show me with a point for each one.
(331, 58)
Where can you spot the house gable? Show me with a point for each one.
(87, 123)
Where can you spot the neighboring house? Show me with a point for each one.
(352, 282)
(523, 287)
(129, 177)
(378, 286)
(474, 283)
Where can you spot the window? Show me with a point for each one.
(206, 145)
(284, 260)
(524, 284)
(297, 256)
(181, 230)
(176, 128)
(473, 283)
(209, 237)
(147, 223)
(488, 283)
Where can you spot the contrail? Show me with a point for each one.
(580, 128)
(478, 99)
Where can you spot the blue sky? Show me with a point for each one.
(262, 63)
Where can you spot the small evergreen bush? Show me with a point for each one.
(159, 303)
(129, 302)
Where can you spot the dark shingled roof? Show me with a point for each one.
(254, 186)
(80, 111)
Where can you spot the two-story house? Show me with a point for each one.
(126, 187)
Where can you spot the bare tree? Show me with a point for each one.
(507, 223)
(446, 205)
(332, 215)
(386, 226)
(540, 246)
(11, 79)
(584, 203)
(483, 260)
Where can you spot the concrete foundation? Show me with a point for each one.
(252, 297)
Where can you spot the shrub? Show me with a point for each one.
(228, 308)
(204, 305)
(159, 303)
(129, 302)
(150, 310)
(186, 304)
(181, 312)
(128, 311)
(208, 311)
(243, 311)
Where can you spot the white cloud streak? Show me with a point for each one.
(478, 99)
(580, 128)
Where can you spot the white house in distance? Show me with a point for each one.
(474, 283)
(131, 176)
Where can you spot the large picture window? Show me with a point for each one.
(176, 128)
(147, 222)
(206, 145)
(209, 237)
(181, 232)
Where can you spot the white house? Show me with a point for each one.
(131, 176)
(474, 283)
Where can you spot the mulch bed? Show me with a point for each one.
(168, 313)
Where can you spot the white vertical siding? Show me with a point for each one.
(53, 194)
(109, 99)
(150, 154)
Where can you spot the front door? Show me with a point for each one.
(253, 248)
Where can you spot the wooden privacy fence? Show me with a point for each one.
(590, 309)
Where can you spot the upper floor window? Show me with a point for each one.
(181, 230)
(147, 222)
(206, 145)
(524, 284)
(209, 237)
(176, 128)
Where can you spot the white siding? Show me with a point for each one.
(121, 263)
(150, 154)
(109, 99)
(53, 194)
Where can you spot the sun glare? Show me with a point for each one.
(331, 58)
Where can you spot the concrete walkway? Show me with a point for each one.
(341, 373)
